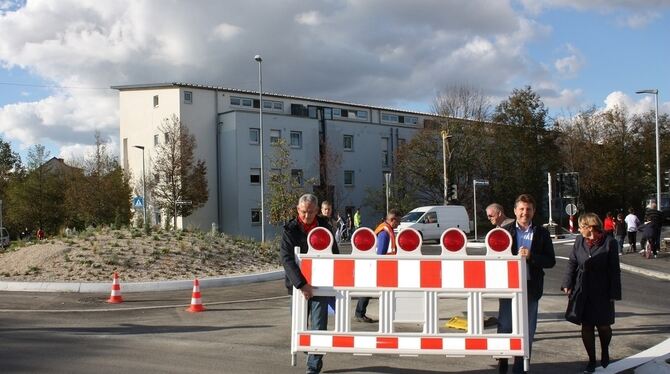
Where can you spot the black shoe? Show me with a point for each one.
(364, 318)
(590, 367)
(605, 359)
(502, 365)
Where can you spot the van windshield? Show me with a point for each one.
(412, 217)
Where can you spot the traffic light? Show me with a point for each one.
(666, 178)
(453, 192)
(570, 185)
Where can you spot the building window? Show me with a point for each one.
(155, 101)
(156, 139)
(337, 112)
(166, 136)
(296, 174)
(385, 152)
(255, 216)
(348, 177)
(267, 104)
(328, 113)
(254, 135)
(348, 142)
(296, 139)
(411, 120)
(277, 105)
(362, 114)
(275, 135)
(389, 117)
(247, 102)
(235, 100)
(255, 176)
(188, 97)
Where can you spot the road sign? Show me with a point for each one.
(138, 202)
(571, 209)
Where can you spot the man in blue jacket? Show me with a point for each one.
(533, 242)
(295, 235)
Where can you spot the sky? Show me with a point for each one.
(58, 59)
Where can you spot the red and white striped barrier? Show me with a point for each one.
(404, 279)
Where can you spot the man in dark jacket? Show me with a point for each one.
(656, 217)
(534, 243)
(295, 235)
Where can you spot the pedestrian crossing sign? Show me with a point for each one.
(138, 202)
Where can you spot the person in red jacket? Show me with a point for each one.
(608, 224)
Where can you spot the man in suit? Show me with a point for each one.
(533, 242)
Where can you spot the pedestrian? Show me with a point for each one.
(593, 281)
(357, 218)
(632, 222)
(609, 224)
(533, 242)
(386, 244)
(647, 234)
(40, 234)
(327, 213)
(295, 235)
(496, 214)
(657, 221)
(620, 231)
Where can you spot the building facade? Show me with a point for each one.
(347, 147)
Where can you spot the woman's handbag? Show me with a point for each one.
(573, 313)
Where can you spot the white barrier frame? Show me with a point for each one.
(405, 343)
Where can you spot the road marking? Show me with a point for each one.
(136, 308)
(638, 359)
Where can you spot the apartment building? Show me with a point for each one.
(355, 142)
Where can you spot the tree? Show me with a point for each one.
(284, 189)
(181, 184)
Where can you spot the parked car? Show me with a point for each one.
(4, 237)
(432, 221)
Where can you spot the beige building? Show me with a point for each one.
(360, 140)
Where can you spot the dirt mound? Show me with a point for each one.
(93, 255)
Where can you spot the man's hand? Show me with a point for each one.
(307, 291)
(524, 252)
(567, 291)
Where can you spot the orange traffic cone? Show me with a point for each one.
(115, 297)
(196, 301)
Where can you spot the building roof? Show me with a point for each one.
(270, 94)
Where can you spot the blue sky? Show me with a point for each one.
(58, 58)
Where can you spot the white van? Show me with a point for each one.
(432, 221)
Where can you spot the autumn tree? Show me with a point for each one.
(284, 188)
(181, 184)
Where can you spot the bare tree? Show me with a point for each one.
(463, 101)
(180, 184)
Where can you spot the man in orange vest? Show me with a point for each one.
(386, 245)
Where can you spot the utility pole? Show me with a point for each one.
(446, 157)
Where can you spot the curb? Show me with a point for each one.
(168, 285)
(642, 271)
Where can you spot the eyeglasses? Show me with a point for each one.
(490, 215)
(584, 226)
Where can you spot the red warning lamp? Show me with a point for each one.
(409, 240)
(364, 240)
(498, 240)
(319, 238)
(453, 240)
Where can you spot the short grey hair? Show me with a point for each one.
(308, 198)
(497, 207)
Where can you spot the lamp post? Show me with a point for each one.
(260, 125)
(144, 187)
(387, 177)
(476, 182)
(445, 152)
(658, 157)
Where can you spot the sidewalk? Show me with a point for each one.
(655, 267)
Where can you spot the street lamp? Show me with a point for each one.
(476, 182)
(144, 187)
(445, 152)
(260, 125)
(658, 157)
(387, 177)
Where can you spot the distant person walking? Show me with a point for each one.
(327, 213)
(632, 222)
(656, 218)
(357, 218)
(592, 281)
(609, 224)
(620, 231)
(496, 215)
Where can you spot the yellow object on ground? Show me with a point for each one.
(458, 322)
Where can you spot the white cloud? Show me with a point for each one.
(570, 65)
(225, 31)
(312, 18)
(639, 20)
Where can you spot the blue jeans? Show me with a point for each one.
(505, 326)
(362, 306)
(318, 320)
(620, 239)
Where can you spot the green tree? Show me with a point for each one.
(181, 185)
(284, 189)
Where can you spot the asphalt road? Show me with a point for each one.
(79, 333)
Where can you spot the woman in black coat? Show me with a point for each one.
(593, 282)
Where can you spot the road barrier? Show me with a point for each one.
(410, 287)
